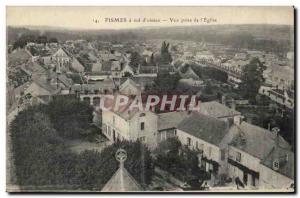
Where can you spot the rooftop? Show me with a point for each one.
(286, 159)
(217, 110)
(205, 127)
(171, 119)
(256, 141)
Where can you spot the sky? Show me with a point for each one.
(97, 17)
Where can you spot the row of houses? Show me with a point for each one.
(228, 147)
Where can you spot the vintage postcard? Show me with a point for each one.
(150, 99)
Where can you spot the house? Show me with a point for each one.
(96, 67)
(240, 56)
(116, 68)
(65, 83)
(277, 170)
(166, 69)
(282, 77)
(283, 97)
(191, 82)
(62, 59)
(130, 124)
(208, 136)
(129, 87)
(106, 67)
(100, 87)
(142, 81)
(76, 65)
(205, 56)
(147, 70)
(250, 147)
(18, 56)
(147, 55)
(34, 92)
(168, 122)
(188, 55)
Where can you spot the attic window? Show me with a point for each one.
(238, 156)
(142, 115)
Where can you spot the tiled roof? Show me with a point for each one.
(286, 161)
(207, 128)
(217, 110)
(147, 69)
(171, 119)
(128, 82)
(255, 140)
(106, 66)
(139, 80)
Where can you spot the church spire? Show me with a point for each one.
(121, 181)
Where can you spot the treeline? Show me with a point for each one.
(43, 160)
(63, 35)
(275, 39)
(22, 41)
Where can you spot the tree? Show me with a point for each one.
(165, 56)
(166, 83)
(135, 60)
(178, 159)
(43, 161)
(70, 117)
(84, 59)
(42, 39)
(127, 74)
(252, 79)
(53, 40)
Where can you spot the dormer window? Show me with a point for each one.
(238, 156)
(142, 126)
(276, 164)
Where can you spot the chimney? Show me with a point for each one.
(233, 104)
(275, 131)
(237, 120)
(223, 100)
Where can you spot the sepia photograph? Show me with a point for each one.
(150, 99)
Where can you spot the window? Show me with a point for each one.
(201, 147)
(189, 141)
(175, 132)
(209, 151)
(223, 154)
(238, 156)
(142, 139)
(142, 115)
(142, 126)
(197, 145)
